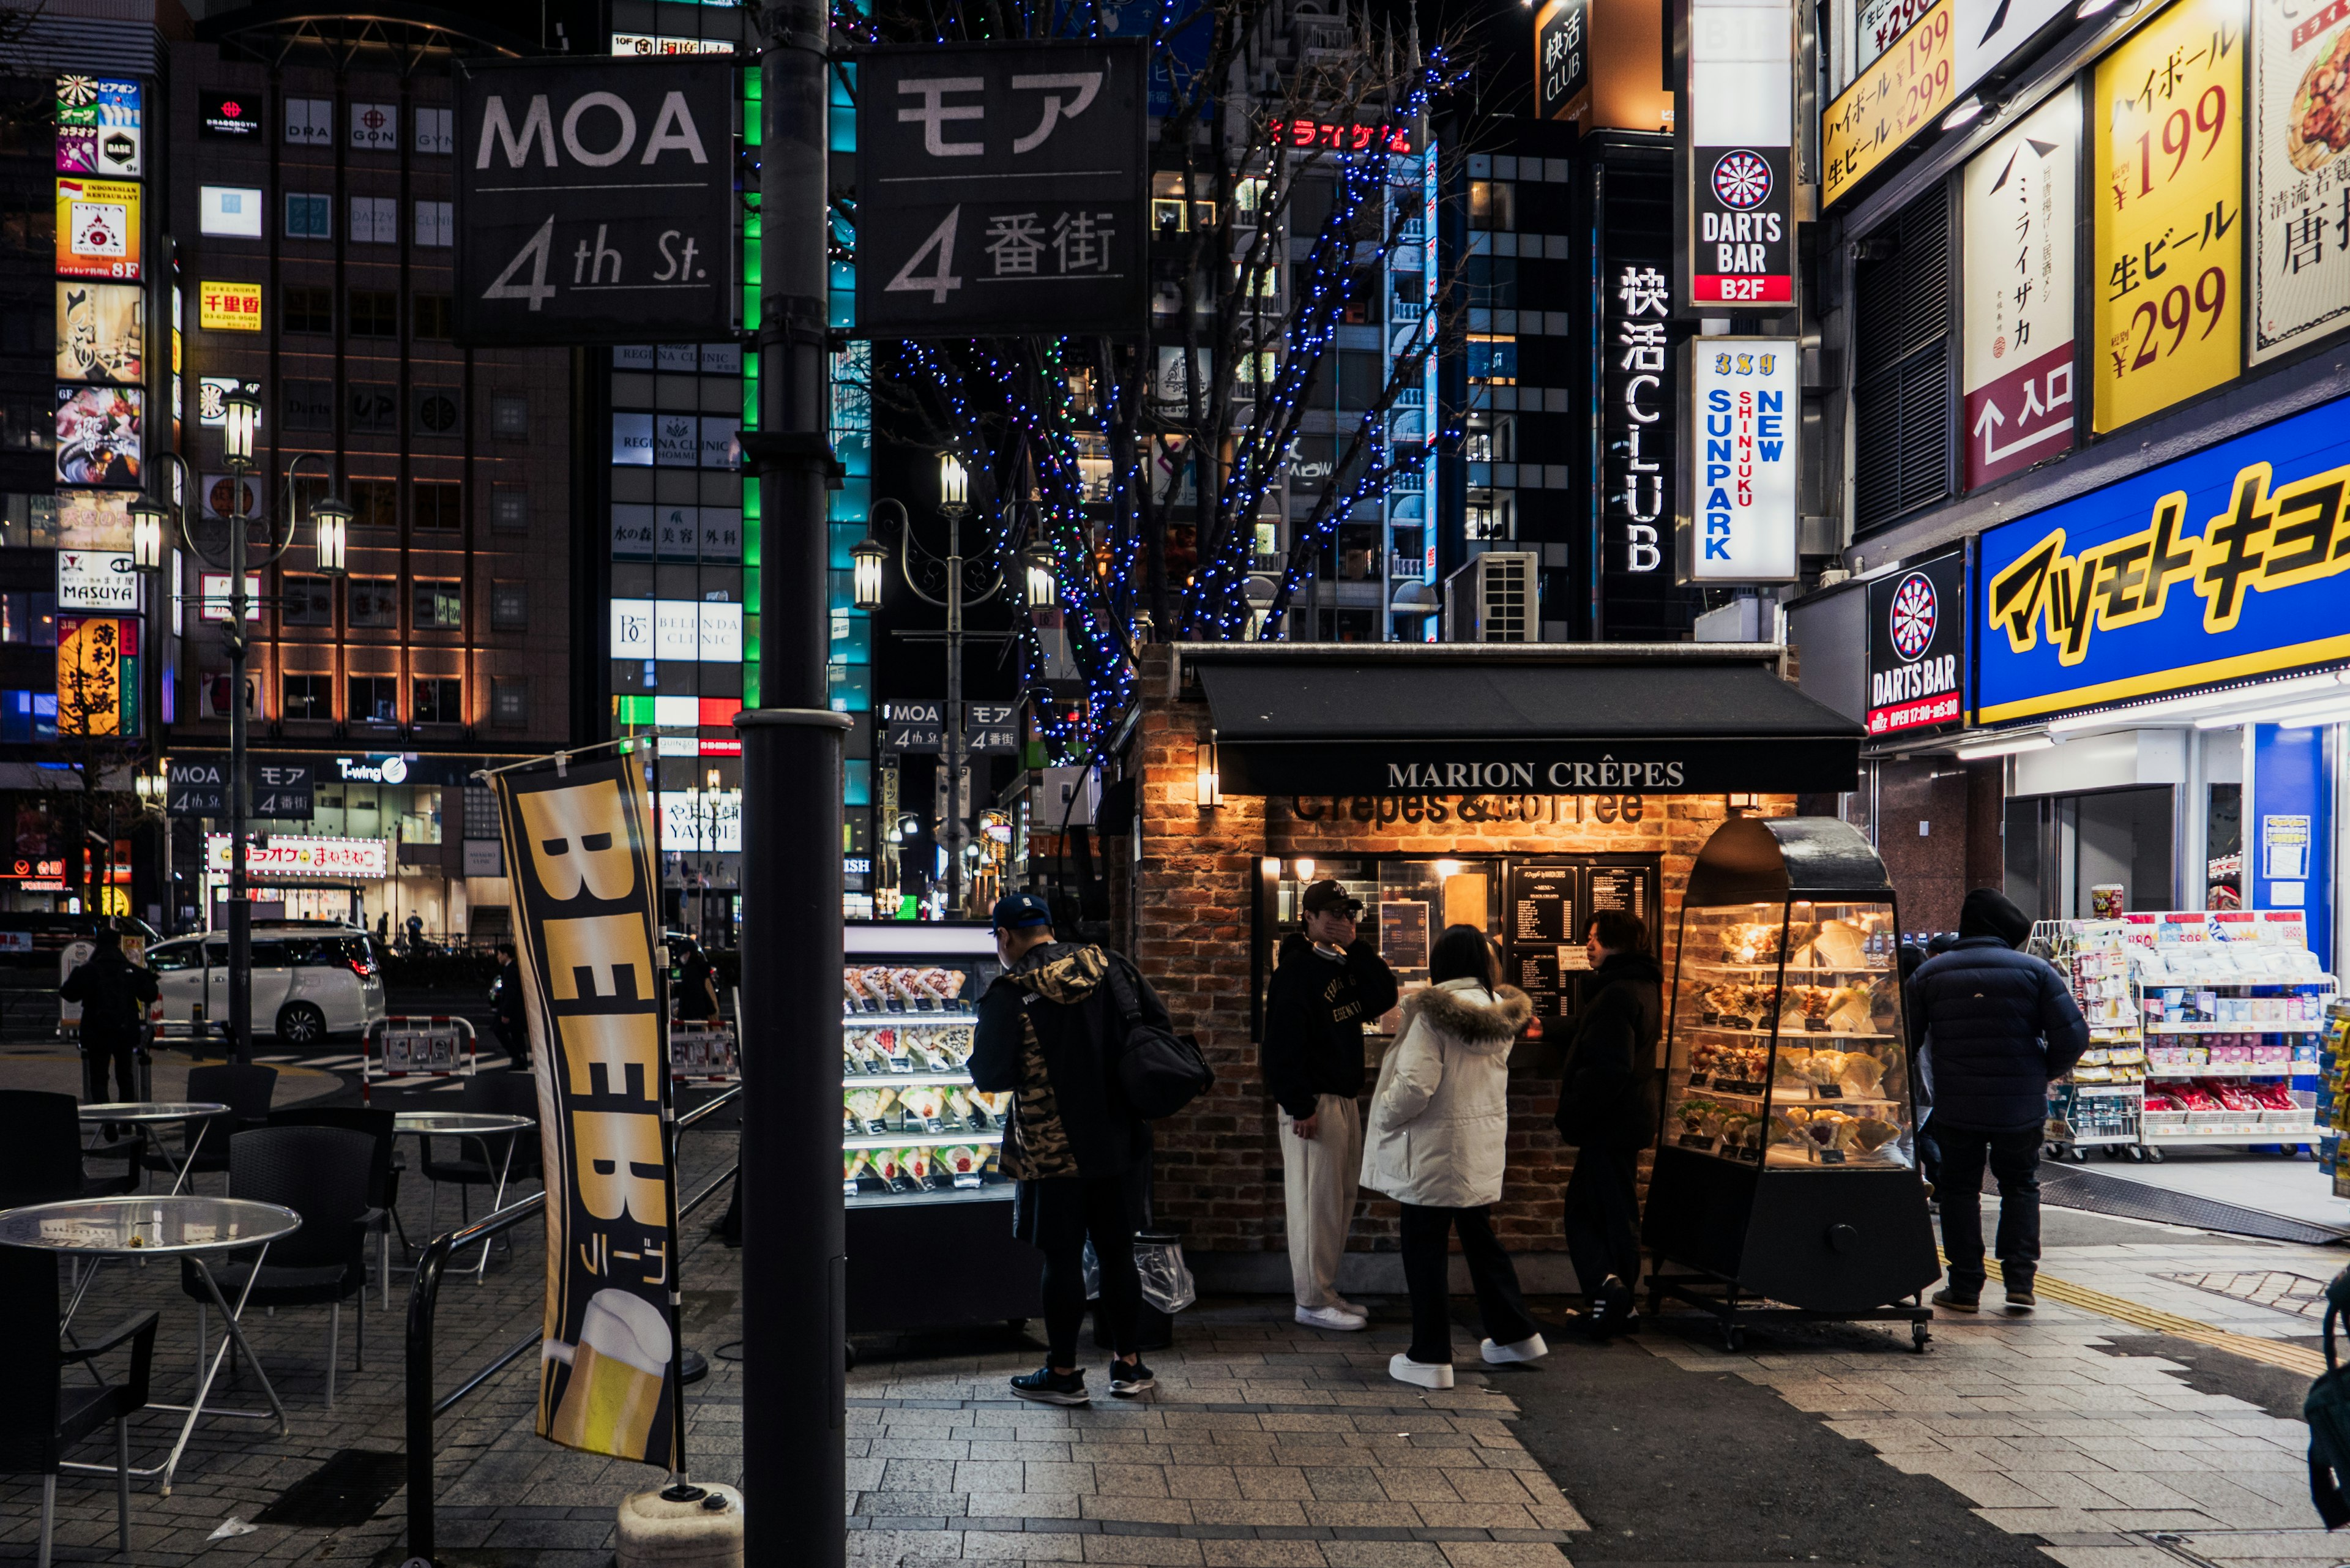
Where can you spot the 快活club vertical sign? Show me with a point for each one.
(2020, 213)
(579, 844)
(1738, 150)
(1917, 647)
(1000, 190)
(1561, 57)
(595, 201)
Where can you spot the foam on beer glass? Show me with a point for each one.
(617, 1370)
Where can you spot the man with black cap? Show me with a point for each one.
(1327, 983)
(114, 994)
(1998, 1026)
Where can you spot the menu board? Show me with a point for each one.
(1403, 934)
(1541, 904)
(1628, 888)
(2301, 181)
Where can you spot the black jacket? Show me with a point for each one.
(1998, 1025)
(697, 987)
(114, 994)
(1080, 1004)
(1606, 1095)
(512, 1010)
(1315, 1011)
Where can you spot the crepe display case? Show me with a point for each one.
(920, 1164)
(1785, 1181)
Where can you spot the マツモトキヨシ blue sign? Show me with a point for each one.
(2231, 564)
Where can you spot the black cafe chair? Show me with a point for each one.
(245, 1088)
(480, 1159)
(383, 1172)
(40, 1151)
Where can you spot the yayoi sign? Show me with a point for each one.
(2226, 564)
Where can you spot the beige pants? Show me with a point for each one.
(1319, 1177)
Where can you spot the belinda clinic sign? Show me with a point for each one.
(2230, 563)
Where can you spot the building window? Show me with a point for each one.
(1902, 395)
(509, 417)
(1493, 204)
(375, 601)
(29, 522)
(375, 221)
(433, 224)
(436, 412)
(438, 701)
(30, 618)
(310, 122)
(434, 132)
(510, 607)
(436, 503)
(440, 606)
(510, 509)
(309, 215)
(375, 503)
(28, 422)
(304, 309)
(375, 700)
(307, 405)
(510, 704)
(307, 601)
(235, 212)
(308, 697)
(374, 313)
(433, 315)
(374, 408)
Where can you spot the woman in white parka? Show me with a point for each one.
(1435, 1141)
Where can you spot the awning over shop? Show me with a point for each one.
(1538, 719)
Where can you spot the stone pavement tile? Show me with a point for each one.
(2055, 1520)
(1991, 1488)
(1273, 1481)
(1413, 1486)
(1350, 1483)
(1502, 1554)
(1023, 1505)
(2238, 1507)
(1262, 1554)
(1021, 1546)
(1476, 1516)
(1130, 1481)
(1381, 1515)
(1155, 1550)
(1138, 1510)
(1244, 1511)
(2112, 1556)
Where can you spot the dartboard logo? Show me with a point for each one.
(1913, 617)
(1742, 180)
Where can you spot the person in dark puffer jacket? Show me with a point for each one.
(1999, 1026)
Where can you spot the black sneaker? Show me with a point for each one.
(1047, 1386)
(1128, 1379)
(1957, 1302)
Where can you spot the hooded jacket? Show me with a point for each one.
(1051, 1028)
(1604, 1091)
(1315, 1011)
(1439, 1124)
(114, 994)
(1999, 1026)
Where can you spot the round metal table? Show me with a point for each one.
(479, 1125)
(201, 1112)
(187, 1226)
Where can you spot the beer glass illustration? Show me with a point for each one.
(617, 1371)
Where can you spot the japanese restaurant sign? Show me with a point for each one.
(2166, 316)
(97, 676)
(1740, 138)
(2021, 195)
(1904, 90)
(97, 229)
(2301, 181)
(578, 845)
(1740, 484)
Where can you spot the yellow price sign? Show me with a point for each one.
(2168, 317)
(1900, 93)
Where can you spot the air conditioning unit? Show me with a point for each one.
(1494, 599)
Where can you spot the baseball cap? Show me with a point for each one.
(1018, 911)
(1326, 895)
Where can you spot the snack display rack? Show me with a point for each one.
(1784, 1169)
(919, 1145)
(2333, 1107)
(2098, 1104)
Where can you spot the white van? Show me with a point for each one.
(308, 982)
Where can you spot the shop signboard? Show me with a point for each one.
(97, 229)
(920, 727)
(1638, 420)
(1739, 487)
(1905, 90)
(102, 333)
(1741, 190)
(197, 786)
(1988, 33)
(1916, 648)
(2022, 194)
(2224, 565)
(295, 855)
(2165, 316)
(277, 788)
(97, 580)
(1561, 57)
(99, 126)
(2301, 181)
(97, 676)
(229, 115)
(100, 435)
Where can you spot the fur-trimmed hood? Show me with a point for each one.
(1486, 1022)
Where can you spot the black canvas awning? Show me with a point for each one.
(1540, 718)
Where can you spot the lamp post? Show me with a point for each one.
(152, 518)
(950, 582)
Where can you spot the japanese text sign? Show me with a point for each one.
(1001, 189)
(1638, 420)
(2220, 566)
(228, 306)
(1741, 135)
(289, 855)
(2166, 319)
(1904, 90)
(1562, 57)
(1744, 407)
(97, 676)
(2022, 204)
(2301, 182)
(99, 125)
(97, 229)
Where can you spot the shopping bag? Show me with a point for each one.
(1165, 1278)
(2327, 1411)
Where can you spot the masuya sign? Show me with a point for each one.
(595, 201)
(1000, 190)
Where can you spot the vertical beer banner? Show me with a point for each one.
(2167, 318)
(578, 846)
(2301, 181)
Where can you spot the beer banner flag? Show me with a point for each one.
(578, 846)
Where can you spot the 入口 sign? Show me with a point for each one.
(1744, 411)
(2020, 213)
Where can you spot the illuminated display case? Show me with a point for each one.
(1786, 1162)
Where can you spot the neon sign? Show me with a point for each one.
(1333, 137)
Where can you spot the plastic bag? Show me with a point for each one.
(1167, 1282)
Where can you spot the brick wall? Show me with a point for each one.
(1187, 920)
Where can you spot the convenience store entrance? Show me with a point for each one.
(2064, 853)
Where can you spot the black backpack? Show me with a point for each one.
(2327, 1411)
(1159, 1071)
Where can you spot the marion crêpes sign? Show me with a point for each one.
(579, 844)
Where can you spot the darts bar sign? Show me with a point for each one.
(1739, 154)
(1916, 648)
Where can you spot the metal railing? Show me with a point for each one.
(423, 1300)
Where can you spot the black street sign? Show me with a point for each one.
(595, 201)
(1001, 189)
(198, 786)
(277, 789)
(988, 727)
(281, 790)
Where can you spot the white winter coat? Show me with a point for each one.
(1440, 1119)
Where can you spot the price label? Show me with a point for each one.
(1905, 90)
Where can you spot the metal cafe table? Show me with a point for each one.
(188, 1226)
(482, 1125)
(201, 1112)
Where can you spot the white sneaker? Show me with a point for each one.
(1404, 1369)
(1343, 1304)
(1332, 1318)
(1530, 1348)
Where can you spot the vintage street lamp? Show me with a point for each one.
(1037, 561)
(954, 485)
(867, 555)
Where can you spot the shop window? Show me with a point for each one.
(375, 700)
(1493, 204)
(307, 601)
(30, 618)
(27, 422)
(304, 309)
(375, 221)
(432, 314)
(510, 607)
(1358, 553)
(438, 701)
(29, 522)
(309, 215)
(1493, 360)
(374, 408)
(375, 504)
(439, 607)
(437, 413)
(374, 313)
(510, 704)
(436, 503)
(1902, 397)
(420, 822)
(433, 223)
(509, 417)
(309, 699)
(375, 601)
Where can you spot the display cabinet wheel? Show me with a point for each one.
(1919, 1335)
(2080, 1155)
(2135, 1153)
(1733, 1337)
(2154, 1157)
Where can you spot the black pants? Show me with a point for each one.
(2014, 1159)
(1056, 1216)
(1490, 1276)
(96, 1056)
(1603, 1217)
(1930, 1156)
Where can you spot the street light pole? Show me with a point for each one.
(958, 808)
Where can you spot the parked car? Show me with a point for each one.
(310, 980)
